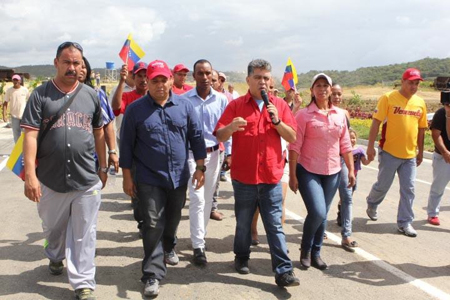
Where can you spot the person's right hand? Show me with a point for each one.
(33, 189)
(124, 72)
(293, 184)
(446, 156)
(238, 124)
(370, 153)
(128, 187)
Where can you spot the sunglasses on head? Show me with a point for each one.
(66, 45)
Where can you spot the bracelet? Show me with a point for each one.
(279, 121)
(113, 151)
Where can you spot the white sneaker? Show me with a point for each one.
(408, 230)
(372, 213)
(171, 258)
(151, 288)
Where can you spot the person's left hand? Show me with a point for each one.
(103, 177)
(226, 163)
(271, 109)
(198, 179)
(113, 160)
(351, 179)
(419, 158)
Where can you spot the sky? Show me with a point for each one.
(316, 35)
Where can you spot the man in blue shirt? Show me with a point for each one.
(157, 131)
(209, 106)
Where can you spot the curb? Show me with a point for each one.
(426, 154)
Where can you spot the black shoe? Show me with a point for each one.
(199, 257)
(287, 279)
(305, 258)
(339, 219)
(318, 263)
(241, 266)
(55, 267)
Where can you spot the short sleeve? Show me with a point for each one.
(32, 115)
(438, 122)
(423, 122)
(97, 120)
(382, 108)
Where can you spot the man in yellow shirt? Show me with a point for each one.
(403, 115)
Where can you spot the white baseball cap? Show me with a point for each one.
(321, 75)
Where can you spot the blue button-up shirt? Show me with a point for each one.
(209, 112)
(156, 138)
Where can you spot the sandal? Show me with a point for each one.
(349, 246)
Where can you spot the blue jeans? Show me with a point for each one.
(406, 170)
(268, 197)
(441, 176)
(346, 195)
(317, 192)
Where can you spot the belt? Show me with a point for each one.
(212, 149)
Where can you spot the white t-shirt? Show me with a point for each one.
(17, 99)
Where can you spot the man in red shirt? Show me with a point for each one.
(119, 104)
(120, 99)
(180, 72)
(257, 164)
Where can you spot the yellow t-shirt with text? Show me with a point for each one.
(401, 119)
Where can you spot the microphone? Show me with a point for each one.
(265, 98)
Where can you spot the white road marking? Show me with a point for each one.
(418, 180)
(3, 163)
(422, 285)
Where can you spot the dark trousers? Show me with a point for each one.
(161, 212)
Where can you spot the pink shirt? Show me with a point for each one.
(321, 139)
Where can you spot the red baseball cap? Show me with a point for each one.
(412, 74)
(139, 66)
(158, 68)
(180, 67)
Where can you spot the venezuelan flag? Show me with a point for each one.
(290, 76)
(131, 53)
(15, 162)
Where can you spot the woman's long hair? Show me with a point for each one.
(87, 80)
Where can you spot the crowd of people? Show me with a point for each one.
(174, 141)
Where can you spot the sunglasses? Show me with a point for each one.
(66, 45)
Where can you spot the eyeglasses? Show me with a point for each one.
(66, 45)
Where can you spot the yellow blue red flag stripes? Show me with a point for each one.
(131, 53)
(15, 162)
(290, 77)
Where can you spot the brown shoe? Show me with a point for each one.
(215, 215)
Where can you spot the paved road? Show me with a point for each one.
(386, 265)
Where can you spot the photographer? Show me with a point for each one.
(441, 158)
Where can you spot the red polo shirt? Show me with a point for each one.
(127, 99)
(256, 155)
(183, 89)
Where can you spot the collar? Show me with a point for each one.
(70, 92)
(174, 99)
(313, 108)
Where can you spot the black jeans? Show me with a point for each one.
(161, 212)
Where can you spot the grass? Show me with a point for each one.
(362, 127)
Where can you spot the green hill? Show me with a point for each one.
(429, 67)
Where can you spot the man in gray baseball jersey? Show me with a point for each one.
(65, 184)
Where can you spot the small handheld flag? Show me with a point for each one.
(290, 77)
(15, 162)
(131, 53)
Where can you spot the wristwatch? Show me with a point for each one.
(113, 151)
(104, 170)
(201, 168)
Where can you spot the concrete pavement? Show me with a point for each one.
(386, 265)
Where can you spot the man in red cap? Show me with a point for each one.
(17, 96)
(180, 72)
(158, 132)
(404, 118)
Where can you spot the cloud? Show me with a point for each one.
(236, 42)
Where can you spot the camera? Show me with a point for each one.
(445, 95)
